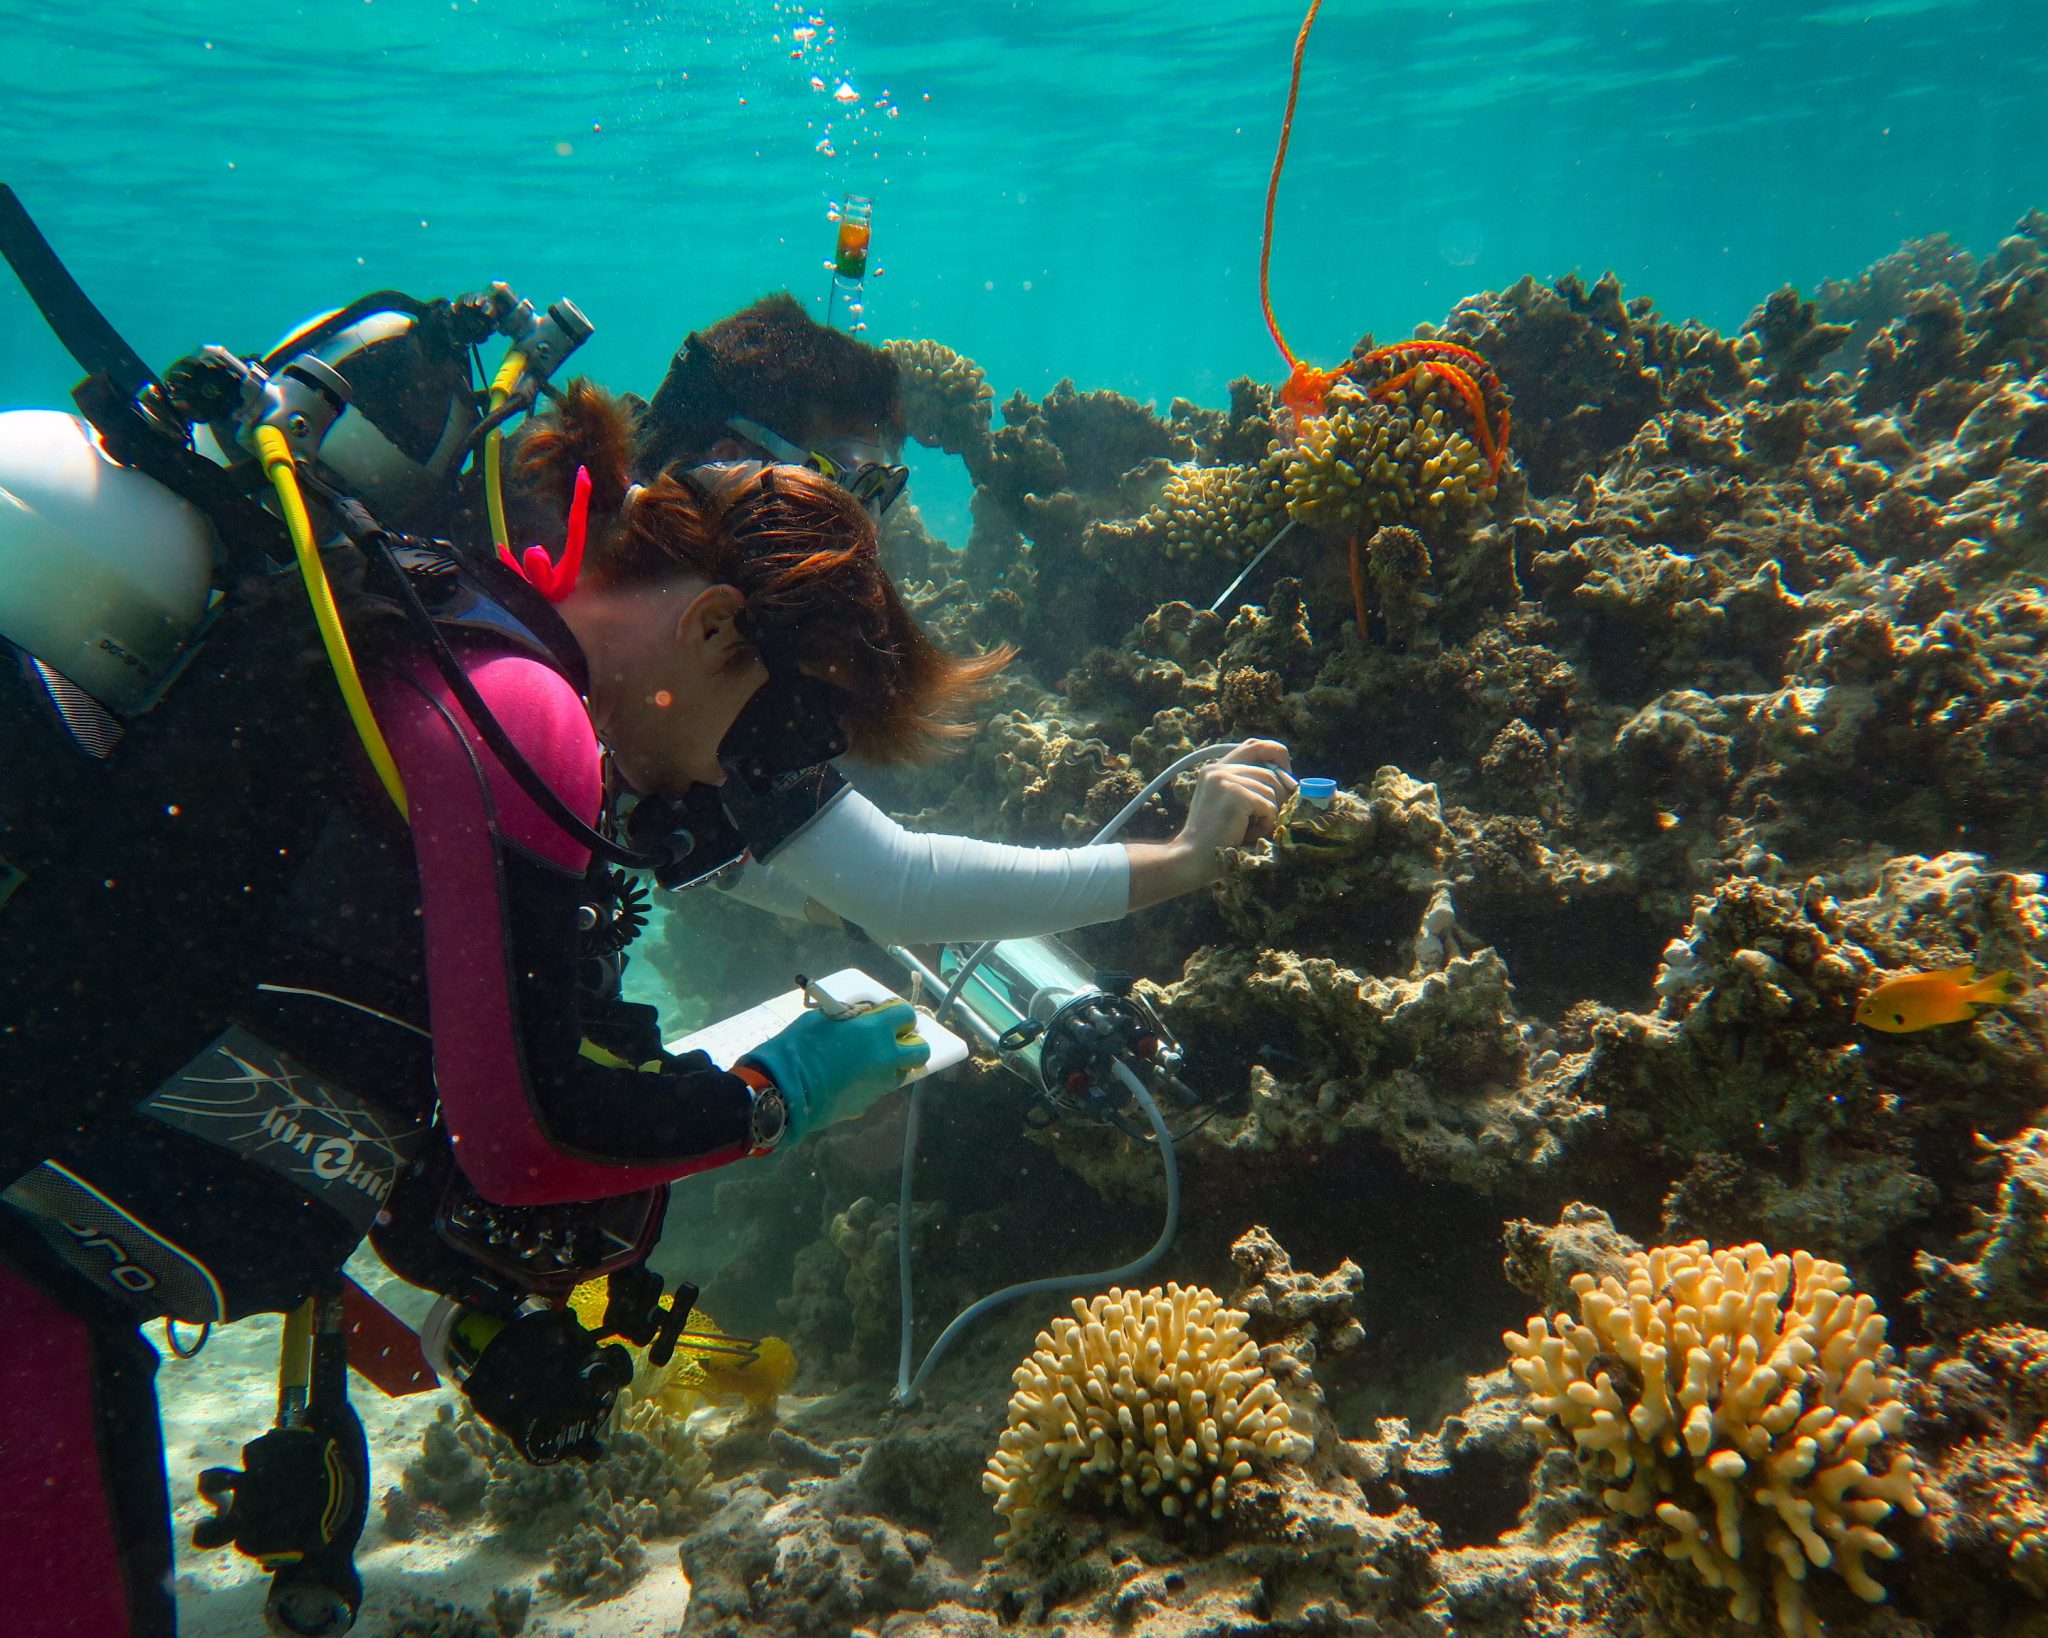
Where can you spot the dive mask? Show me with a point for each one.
(876, 484)
(778, 758)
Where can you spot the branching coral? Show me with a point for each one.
(1153, 1399)
(1427, 364)
(1400, 460)
(946, 398)
(1207, 520)
(1739, 1398)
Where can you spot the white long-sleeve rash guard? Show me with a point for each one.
(900, 887)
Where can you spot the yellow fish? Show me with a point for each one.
(1899, 1006)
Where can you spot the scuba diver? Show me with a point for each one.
(283, 965)
(770, 383)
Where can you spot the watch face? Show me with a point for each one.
(771, 1117)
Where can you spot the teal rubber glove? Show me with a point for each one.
(832, 1069)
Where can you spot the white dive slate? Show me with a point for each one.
(738, 1035)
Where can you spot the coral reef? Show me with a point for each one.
(1720, 701)
(946, 398)
(2007, 1278)
(1740, 1399)
(1207, 520)
(810, 1561)
(843, 1301)
(1985, 1410)
(1152, 1399)
(417, 1617)
(591, 1519)
(1306, 1316)
(1398, 461)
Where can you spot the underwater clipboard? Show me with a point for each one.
(734, 1037)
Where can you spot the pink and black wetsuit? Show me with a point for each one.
(271, 989)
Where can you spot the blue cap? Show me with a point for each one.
(1319, 792)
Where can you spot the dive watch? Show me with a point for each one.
(770, 1110)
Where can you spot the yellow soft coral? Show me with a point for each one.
(1403, 461)
(1739, 1399)
(1155, 1399)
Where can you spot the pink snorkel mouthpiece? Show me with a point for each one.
(553, 580)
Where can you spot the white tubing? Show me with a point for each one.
(907, 1386)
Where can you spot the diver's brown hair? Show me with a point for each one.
(799, 549)
(772, 363)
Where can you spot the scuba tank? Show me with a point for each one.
(104, 573)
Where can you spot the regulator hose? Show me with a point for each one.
(502, 387)
(278, 466)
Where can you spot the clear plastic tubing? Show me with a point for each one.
(908, 1387)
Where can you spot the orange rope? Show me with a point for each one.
(1306, 385)
(1493, 446)
(1409, 349)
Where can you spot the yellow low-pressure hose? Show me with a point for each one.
(276, 456)
(494, 476)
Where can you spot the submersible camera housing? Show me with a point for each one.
(1061, 1025)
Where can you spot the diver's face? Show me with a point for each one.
(669, 675)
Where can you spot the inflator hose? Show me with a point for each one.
(502, 386)
(907, 1386)
(276, 456)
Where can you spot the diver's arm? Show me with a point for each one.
(904, 888)
(531, 1119)
(900, 887)
(1165, 870)
(1236, 800)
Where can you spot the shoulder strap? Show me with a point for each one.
(472, 605)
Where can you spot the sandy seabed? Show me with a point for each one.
(216, 1403)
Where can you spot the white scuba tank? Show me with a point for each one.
(104, 573)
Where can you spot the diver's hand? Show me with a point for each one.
(831, 1069)
(1237, 800)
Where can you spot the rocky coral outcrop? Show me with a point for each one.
(1744, 661)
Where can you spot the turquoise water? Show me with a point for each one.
(1068, 188)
